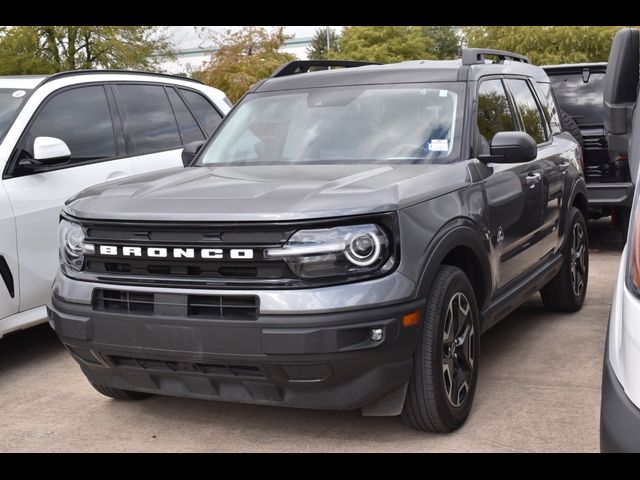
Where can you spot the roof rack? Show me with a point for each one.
(303, 66)
(137, 72)
(473, 56)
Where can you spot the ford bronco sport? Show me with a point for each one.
(340, 242)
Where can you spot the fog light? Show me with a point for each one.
(376, 334)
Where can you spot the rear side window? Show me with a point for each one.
(580, 95)
(208, 116)
(494, 112)
(530, 113)
(149, 122)
(549, 106)
(82, 119)
(189, 129)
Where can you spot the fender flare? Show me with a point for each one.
(460, 232)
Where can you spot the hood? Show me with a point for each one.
(266, 193)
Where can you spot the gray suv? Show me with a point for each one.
(340, 242)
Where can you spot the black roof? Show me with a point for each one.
(403, 72)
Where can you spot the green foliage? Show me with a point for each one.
(385, 44)
(445, 42)
(546, 44)
(494, 114)
(50, 49)
(243, 57)
(317, 50)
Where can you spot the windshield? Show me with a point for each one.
(400, 123)
(10, 101)
(582, 100)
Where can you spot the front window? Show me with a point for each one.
(10, 101)
(400, 123)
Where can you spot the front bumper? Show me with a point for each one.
(313, 360)
(610, 194)
(619, 417)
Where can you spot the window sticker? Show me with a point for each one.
(443, 93)
(439, 145)
(18, 93)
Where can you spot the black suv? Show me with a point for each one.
(579, 89)
(341, 242)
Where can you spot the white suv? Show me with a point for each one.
(65, 132)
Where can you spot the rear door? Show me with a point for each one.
(158, 121)
(82, 117)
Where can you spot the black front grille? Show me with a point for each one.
(219, 370)
(214, 307)
(171, 271)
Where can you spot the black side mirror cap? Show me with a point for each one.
(190, 150)
(511, 147)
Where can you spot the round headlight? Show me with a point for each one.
(74, 243)
(364, 249)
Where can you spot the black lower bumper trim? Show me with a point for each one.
(619, 417)
(323, 361)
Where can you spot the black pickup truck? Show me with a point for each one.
(579, 91)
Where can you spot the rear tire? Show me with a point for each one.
(120, 394)
(566, 292)
(572, 127)
(445, 366)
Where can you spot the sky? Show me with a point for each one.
(185, 37)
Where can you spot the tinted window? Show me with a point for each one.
(529, 110)
(149, 121)
(582, 100)
(207, 115)
(189, 129)
(549, 106)
(10, 101)
(81, 118)
(494, 112)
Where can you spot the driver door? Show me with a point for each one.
(514, 191)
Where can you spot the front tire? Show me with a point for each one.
(120, 394)
(566, 292)
(445, 371)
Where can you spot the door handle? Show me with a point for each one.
(533, 178)
(564, 167)
(116, 175)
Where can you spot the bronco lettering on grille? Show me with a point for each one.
(164, 252)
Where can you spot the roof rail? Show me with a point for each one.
(473, 56)
(302, 66)
(70, 73)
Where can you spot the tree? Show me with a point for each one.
(317, 50)
(50, 49)
(446, 42)
(384, 44)
(242, 58)
(548, 44)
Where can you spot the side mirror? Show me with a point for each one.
(49, 151)
(189, 152)
(511, 147)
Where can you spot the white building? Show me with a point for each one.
(189, 59)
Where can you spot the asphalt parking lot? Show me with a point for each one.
(539, 391)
